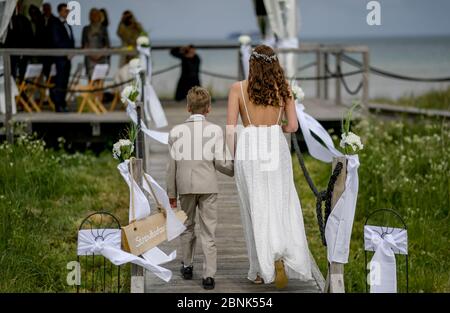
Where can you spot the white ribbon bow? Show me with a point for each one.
(106, 242)
(340, 222)
(386, 242)
(162, 137)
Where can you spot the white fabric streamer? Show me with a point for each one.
(340, 222)
(108, 245)
(317, 150)
(141, 205)
(386, 242)
(153, 107)
(162, 137)
(145, 59)
(338, 229)
(174, 227)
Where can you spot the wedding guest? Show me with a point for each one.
(105, 19)
(38, 26)
(47, 13)
(194, 181)
(94, 36)
(190, 67)
(62, 37)
(49, 18)
(20, 35)
(129, 30)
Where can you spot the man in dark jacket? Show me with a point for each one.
(62, 37)
(49, 18)
(20, 35)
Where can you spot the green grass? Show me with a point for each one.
(404, 167)
(44, 195)
(434, 99)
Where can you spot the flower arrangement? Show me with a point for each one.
(245, 40)
(297, 92)
(143, 41)
(130, 92)
(350, 142)
(124, 148)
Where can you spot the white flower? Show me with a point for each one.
(119, 146)
(245, 40)
(126, 93)
(352, 140)
(116, 151)
(298, 93)
(143, 41)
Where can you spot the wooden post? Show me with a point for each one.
(318, 74)
(335, 275)
(325, 73)
(365, 81)
(338, 99)
(137, 272)
(8, 97)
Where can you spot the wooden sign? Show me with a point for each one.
(142, 235)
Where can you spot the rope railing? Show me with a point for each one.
(321, 196)
(377, 71)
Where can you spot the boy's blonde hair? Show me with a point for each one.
(198, 100)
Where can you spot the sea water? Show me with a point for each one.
(417, 57)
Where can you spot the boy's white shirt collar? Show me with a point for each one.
(196, 117)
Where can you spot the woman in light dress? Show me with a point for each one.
(270, 208)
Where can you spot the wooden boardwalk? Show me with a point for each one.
(232, 259)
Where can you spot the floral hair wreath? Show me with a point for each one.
(264, 57)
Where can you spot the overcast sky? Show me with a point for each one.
(216, 19)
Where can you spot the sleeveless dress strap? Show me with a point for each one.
(279, 115)
(245, 104)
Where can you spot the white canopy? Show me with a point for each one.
(282, 16)
(6, 11)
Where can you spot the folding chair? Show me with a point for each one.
(27, 90)
(74, 81)
(45, 91)
(91, 98)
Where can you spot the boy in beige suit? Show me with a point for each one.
(196, 151)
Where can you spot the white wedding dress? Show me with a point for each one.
(270, 208)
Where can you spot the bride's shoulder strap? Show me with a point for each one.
(245, 104)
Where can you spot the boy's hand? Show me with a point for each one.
(173, 202)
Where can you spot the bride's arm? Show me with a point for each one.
(232, 117)
(291, 115)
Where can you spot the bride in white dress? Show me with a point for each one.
(270, 207)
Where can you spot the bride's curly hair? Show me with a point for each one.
(266, 82)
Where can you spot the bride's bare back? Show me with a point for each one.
(257, 115)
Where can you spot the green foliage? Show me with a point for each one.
(405, 167)
(44, 195)
(435, 99)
